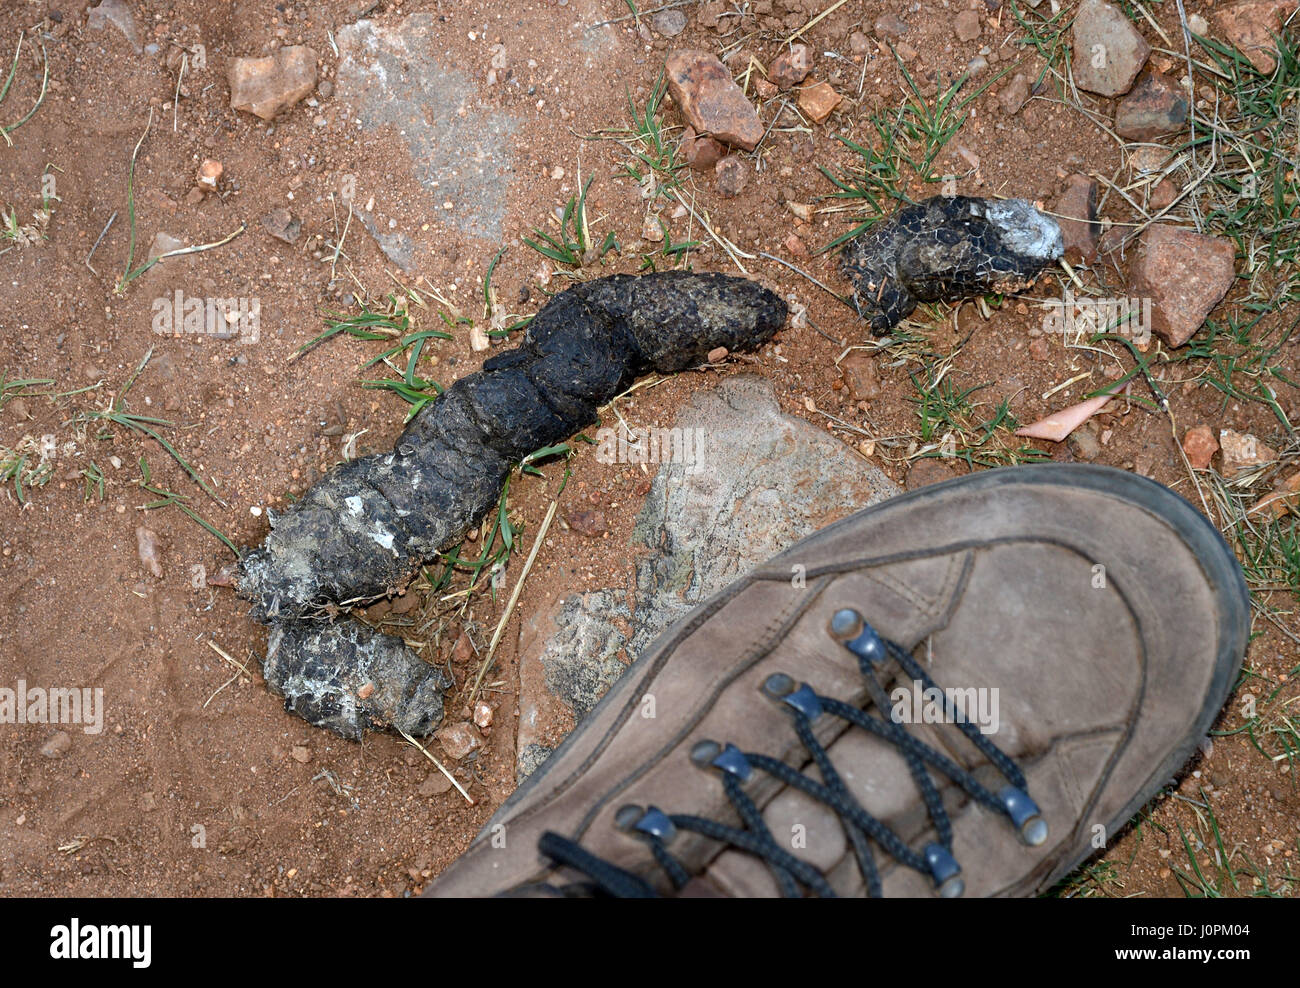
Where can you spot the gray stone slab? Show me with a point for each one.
(758, 481)
(460, 151)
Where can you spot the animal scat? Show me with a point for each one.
(349, 678)
(361, 531)
(945, 249)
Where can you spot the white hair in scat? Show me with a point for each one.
(1023, 228)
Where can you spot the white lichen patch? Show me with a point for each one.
(1024, 229)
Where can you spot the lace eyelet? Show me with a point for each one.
(729, 760)
(945, 871)
(854, 633)
(1024, 814)
(846, 623)
(651, 822)
(778, 686)
(628, 815)
(782, 689)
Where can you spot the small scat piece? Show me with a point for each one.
(348, 678)
(945, 249)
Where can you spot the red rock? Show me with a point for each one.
(1076, 213)
(710, 100)
(701, 153)
(458, 740)
(282, 224)
(818, 101)
(791, 67)
(796, 246)
(266, 86)
(1243, 453)
(591, 524)
(406, 603)
(1251, 27)
(149, 550)
(1154, 107)
(1115, 238)
(889, 26)
(463, 650)
(1185, 274)
(710, 14)
(803, 210)
(966, 25)
(765, 89)
(1200, 446)
(1279, 501)
(57, 745)
(860, 376)
(669, 23)
(651, 230)
(1163, 195)
(209, 174)
(1083, 443)
(1109, 51)
(1014, 95)
(1038, 349)
(732, 176)
(117, 13)
(435, 784)
(925, 471)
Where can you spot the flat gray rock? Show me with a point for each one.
(397, 247)
(756, 481)
(460, 152)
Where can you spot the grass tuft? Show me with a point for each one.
(574, 245)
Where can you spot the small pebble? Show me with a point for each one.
(57, 745)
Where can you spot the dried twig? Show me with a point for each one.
(817, 20)
(243, 671)
(441, 768)
(514, 599)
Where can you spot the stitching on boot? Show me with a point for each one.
(929, 605)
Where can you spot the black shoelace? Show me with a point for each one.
(795, 877)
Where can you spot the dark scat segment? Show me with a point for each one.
(362, 529)
(679, 317)
(580, 351)
(945, 249)
(320, 669)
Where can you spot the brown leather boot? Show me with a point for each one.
(969, 688)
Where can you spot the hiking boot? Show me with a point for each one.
(965, 690)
